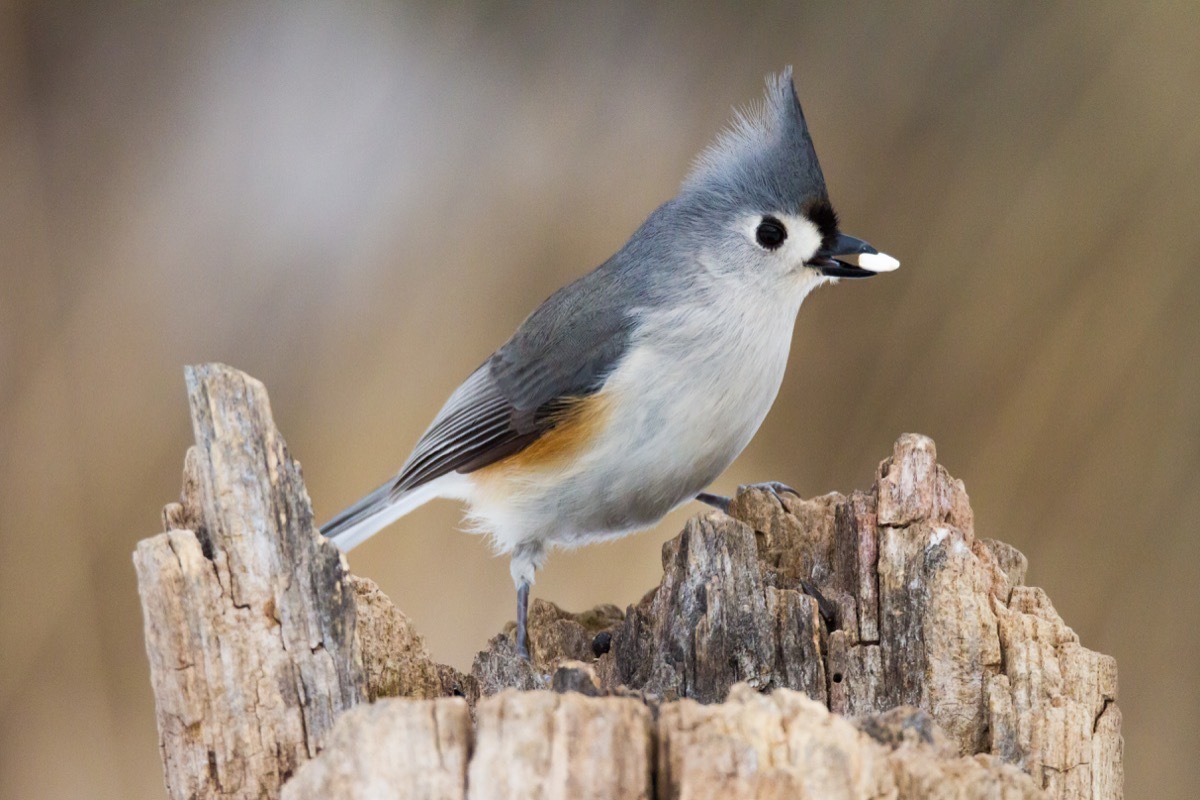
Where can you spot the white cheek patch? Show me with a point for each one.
(803, 239)
(875, 262)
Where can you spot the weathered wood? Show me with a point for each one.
(545, 746)
(555, 637)
(1052, 710)
(548, 746)
(946, 675)
(397, 749)
(249, 621)
(394, 657)
(927, 615)
(786, 745)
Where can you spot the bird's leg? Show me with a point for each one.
(527, 557)
(722, 503)
(717, 501)
(522, 614)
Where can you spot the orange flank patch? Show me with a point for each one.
(577, 425)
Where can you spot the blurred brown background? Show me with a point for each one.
(356, 204)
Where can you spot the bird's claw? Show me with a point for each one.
(777, 489)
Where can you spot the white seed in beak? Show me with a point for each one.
(875, 262)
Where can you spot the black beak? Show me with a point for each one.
(852, 258)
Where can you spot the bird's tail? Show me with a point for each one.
(376, 511)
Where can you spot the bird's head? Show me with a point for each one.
(757, 197)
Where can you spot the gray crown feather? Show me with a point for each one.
(765, 160)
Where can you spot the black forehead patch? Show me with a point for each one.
(821, 214)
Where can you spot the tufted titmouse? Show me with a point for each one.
(630, 390)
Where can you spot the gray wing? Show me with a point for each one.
(565, 350)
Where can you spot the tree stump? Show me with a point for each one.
(864, 645)
(249, 617)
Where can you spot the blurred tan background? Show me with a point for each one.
(357, 203)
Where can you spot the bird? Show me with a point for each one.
(630, 390)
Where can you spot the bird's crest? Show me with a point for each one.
(765, 157)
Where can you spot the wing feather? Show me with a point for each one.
(564, 351)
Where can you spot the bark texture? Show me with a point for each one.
(862, 645)
(865, 602)
(785, 745)
(403, 749)
(249, 619)
(393, 654)
(546, 746)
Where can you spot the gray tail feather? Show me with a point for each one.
(374, 512)
(349, 517)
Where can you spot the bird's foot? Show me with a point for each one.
(777, 489)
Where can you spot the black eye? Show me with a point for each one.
(770, 233)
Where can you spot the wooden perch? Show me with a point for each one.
(842, 646)
(249, 617)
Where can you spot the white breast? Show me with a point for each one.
(687, 399)
(697, 390)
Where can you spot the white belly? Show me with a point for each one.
(687, 400)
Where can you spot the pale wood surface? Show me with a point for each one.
(249, 621)
(401, 749)
(785, 745)
(548, 746)
(869, 645)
